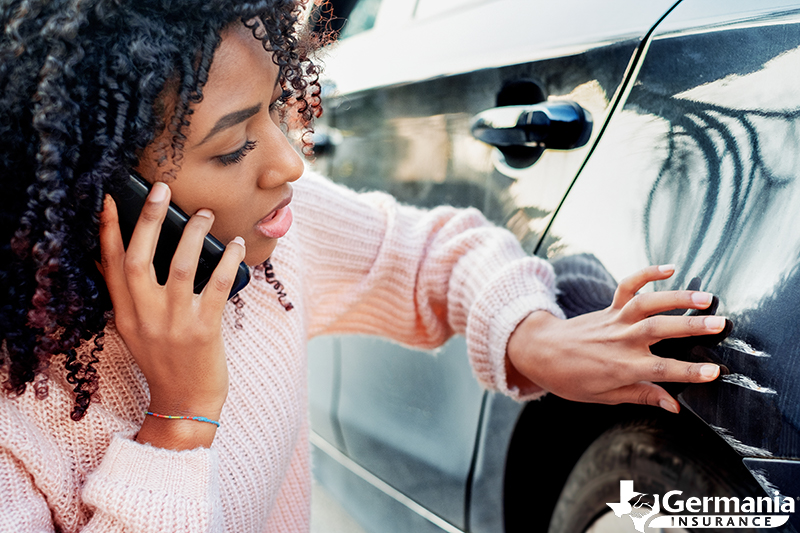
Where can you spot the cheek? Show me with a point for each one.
(230, 223)
(231, 213)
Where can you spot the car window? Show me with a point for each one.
(361, 18)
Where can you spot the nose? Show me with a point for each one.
(281, 164)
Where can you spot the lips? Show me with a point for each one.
(278, 221)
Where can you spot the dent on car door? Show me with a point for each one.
(411, 418)
(700, 168)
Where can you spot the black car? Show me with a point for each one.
(607, 136)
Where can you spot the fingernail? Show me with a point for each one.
(204, 213)
(239, 241)
(667, 268)
(709, 371)
(159, 192)
(715, 323)
(668, 406)
(701, 298)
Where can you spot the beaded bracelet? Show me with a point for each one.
(197, 418)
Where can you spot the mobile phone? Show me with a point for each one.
(129, 204)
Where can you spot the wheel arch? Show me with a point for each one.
(551, 435)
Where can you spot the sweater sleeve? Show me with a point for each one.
(134, 487)
(24, 508)
(141, 488)
(375, 266)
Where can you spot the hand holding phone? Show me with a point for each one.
(174, 336)
(129, 205)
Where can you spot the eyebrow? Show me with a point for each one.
(231, 119)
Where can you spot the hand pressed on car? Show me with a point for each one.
(604, 356)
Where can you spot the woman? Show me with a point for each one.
(117, 385)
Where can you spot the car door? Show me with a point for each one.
(699, 167)
(402, 89)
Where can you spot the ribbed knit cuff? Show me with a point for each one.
(525, 286)
(152, 489)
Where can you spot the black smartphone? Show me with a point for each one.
(129, 204)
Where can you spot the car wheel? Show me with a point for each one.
(658, 460)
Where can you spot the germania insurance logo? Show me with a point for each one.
(700, 513)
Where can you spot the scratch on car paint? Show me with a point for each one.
(743, 381)
(740, 447)
(769, 488)
(741, 346)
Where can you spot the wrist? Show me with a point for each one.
(181, 403)
(526, 342)
(180, 434)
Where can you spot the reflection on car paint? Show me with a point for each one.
(727, 147)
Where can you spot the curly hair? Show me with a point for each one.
(82, 86)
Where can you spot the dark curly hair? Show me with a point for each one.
(82, 86)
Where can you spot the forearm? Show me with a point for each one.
(375, 266)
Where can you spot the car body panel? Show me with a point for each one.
(485, 508)
(700, 168)
(411, 417)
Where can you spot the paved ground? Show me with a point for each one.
(327, 516)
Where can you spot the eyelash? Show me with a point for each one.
(238, 155)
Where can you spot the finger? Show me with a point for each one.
(183, 266)
(664, 370)
(656, 328)
(648, 304)
(643, 393)
(215, 293)
(142, 247)
(629, 286)
(112, 255)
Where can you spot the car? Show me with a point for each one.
(606, 136)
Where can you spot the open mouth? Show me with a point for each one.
(278, 221)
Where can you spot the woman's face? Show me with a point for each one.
(236, 160)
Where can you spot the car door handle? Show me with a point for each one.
(556, 124)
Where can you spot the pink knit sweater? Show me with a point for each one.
(354, 263)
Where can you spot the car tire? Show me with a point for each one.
(658, 459)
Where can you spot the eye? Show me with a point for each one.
(236, 157)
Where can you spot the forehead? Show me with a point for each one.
(241, 70)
